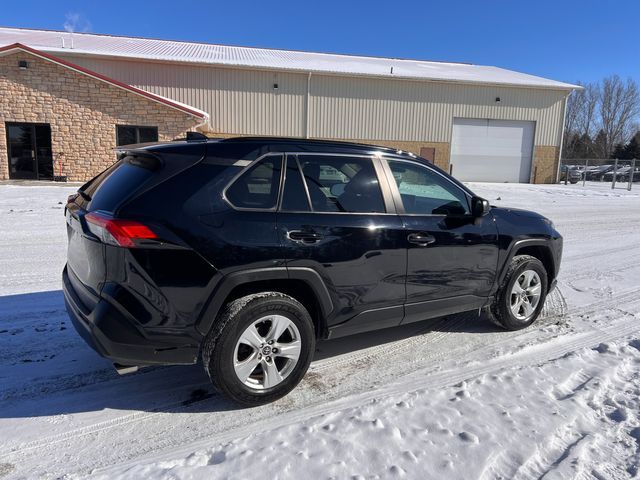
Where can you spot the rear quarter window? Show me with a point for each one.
(258, 187)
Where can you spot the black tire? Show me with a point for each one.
(500, 311)
(219, 345)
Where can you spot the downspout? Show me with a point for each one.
(204, 123)
(564, 120)
(307, 106)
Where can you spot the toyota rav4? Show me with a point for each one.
(246, 251)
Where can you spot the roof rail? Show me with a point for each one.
(319, 141)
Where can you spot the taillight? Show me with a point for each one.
(118, 231)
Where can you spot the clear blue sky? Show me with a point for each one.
(565, 40)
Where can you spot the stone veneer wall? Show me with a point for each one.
(82, 112)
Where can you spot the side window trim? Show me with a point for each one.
(293, 157)
(304, 183)
(245, 169)
(378, 166)
(396, 191)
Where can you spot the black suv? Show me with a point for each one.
(247, 250)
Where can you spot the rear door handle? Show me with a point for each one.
(421, 239)
(304, 237)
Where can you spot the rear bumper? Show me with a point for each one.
(110, 333)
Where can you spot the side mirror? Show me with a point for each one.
(479, 207)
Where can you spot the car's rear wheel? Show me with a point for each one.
(521, 296)
(259, 348)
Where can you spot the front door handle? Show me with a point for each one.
(304, 237)
(421, 239)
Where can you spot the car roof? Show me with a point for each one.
(266, 142)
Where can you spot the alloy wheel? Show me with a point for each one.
(525, 295)
(267, 352)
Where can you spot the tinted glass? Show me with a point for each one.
(115, 184)
(258, 186)
(426, 192)
(147, 134)
(131, 134)
(342, 184)
(125, 135)
(43, 151)
(21, 153)
(294, 197)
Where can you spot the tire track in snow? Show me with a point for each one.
(420, 380)
(423, 378)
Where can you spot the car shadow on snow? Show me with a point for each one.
(48, 370)
(468, 322)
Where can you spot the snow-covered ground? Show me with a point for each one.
(448, 398)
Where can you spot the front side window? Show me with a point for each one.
(257, 187)
(425, 192)
(130, 134)
(342, 184)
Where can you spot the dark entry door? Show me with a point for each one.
(29, 151)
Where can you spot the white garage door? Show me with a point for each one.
(491, 150)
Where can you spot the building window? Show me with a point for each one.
(129, 134)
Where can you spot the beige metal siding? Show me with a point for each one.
(242, 101)
(238, 101)
(422, 111)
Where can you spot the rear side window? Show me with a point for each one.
(339, 183)
(257, 188)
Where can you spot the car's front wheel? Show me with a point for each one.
(259, 348)
(519, 300)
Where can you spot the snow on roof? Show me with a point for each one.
(204, 53)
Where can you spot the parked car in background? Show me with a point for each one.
(245, 251)
(570, 173)
(596, 173)
(622, 174)
(635, 175)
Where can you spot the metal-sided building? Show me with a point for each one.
(68, 99)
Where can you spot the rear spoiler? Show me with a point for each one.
(138, 148)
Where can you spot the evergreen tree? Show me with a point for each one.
(619, 151)
(632, 149)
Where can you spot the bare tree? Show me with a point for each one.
(580, 123)
(575, 105)
(587, 124)
(619, 105)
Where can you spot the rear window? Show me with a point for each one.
(111, 187)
